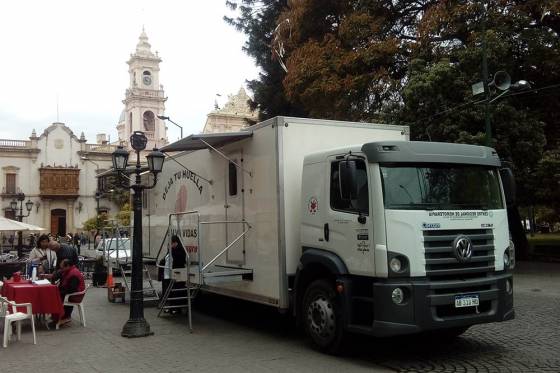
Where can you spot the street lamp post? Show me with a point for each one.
(19, 216)
(163, 117)
(137, 326)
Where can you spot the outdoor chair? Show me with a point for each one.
(17, 317)
(80, 305)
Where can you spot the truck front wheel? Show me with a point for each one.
(322, 316)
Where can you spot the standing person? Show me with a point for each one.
(63, 251)
(177, 259)
(77, 242)
(71, 281)
(43, 255)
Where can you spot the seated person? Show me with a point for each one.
(71, 281)
(43, 255)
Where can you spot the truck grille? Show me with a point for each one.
(441, 262)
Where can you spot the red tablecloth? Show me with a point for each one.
(45, 299)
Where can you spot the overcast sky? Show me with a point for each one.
(77, 50)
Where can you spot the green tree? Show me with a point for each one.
(258, 20)
(123, 216)
(115, 192)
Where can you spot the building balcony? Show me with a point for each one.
(5, 143)
(145, 93)
(9, 192)
(101, 148)
(59, 182)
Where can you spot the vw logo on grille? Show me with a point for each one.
(462, 246)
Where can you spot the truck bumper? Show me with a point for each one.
(429, 305)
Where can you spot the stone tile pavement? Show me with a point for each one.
(235, 336)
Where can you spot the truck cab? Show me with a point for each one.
(402, 237)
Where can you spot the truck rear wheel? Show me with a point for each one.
(322, 317)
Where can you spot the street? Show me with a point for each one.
(235, 336)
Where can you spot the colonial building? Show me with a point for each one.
(144, 99)
(234, 116)
(56, 171)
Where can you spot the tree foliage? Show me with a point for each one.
(413, 62)
(123, 216)
(257, 19)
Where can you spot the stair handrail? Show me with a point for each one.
(244, 222)
(161, 246)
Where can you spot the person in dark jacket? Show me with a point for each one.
(63, 251)
(178, 260)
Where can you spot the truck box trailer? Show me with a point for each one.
(350, 226)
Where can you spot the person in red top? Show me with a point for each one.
(71, 281)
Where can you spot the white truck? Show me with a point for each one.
(350, 226)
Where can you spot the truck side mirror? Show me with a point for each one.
(508, 182)
(347, 171)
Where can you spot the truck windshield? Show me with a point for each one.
(440, 187)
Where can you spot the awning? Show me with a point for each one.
(214, 140)
(14, 225)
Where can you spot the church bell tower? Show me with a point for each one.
(144, 98)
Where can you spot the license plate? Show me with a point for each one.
(470, 300)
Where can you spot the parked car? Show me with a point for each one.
(115, 250)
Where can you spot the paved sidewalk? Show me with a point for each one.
(216, 345)
(234, 336)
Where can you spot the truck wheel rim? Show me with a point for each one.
(321, 319)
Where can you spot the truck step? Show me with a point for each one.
(219, 272)
(175, 306)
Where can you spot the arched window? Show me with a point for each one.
(149, 121)
(130, 122)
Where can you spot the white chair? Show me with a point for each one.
(80, 306)
(17, 317)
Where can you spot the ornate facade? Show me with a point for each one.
(234, 116)
(57, 172)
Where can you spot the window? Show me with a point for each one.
(360, 204)
(440, 187)
(232, 170)
(10, 214)
(149, 121)
(10, 183)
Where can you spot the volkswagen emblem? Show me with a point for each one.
(462, 247)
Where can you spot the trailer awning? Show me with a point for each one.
(206, 140)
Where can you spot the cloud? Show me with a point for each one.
(76, 52)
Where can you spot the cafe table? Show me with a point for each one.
(44, 299)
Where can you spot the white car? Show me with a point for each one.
(114, 249)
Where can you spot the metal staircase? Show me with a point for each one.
(150, 292)
(198, 275)
(116, 251)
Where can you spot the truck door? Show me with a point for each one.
(234, 209)
(348, 226)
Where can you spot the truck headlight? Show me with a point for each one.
(395, 264)
(397, 296)
(506, 259)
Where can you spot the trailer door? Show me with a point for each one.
(234, 209)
